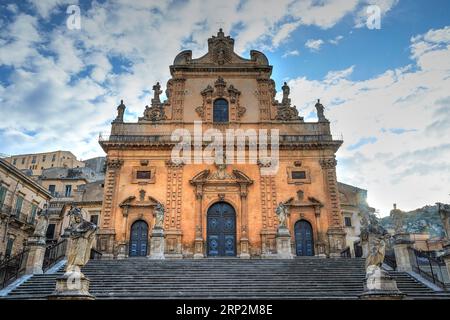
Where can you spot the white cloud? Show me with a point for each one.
(404, 112)
(336, 40)
(291, 53)
(314, 44)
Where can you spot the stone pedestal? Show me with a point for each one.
(36, 253)
(244, 254)
(157, 244)
(380, 285)
(73, 285)
(336, 239)
(403, 256)
(198, 248)
(283, 239)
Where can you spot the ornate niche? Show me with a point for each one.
(220, 90)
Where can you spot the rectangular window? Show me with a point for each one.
(50, 231)
(298, 175)
(53, 158)
(23, 160)
(14, 161)
(51, 189)
(33, 160)
(94, 219)
(348, 221)
(18, 207)
(68, 190)
(43, 158)
(2, 195)
(9, 247)
(143, 175)
(32, 213)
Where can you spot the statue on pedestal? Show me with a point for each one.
(282, 211)
(376, 253)
(42, 222)
(159, 215)
(397, 217)
(444, 213)
(82, 235)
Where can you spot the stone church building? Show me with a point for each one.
(220, 209)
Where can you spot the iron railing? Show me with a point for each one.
(95, 254)
(12, 268)
(345, 253)
(53, 254)
(431, 268)
(389, 259)
(358, 249)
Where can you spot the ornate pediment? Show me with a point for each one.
(300, 202)
(221, 53)
(132, 201)
(221, 175)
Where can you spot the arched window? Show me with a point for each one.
(220, 110)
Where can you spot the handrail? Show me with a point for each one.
(429, 275)
(345, 253)
(95, 254)
(54, 253)
(13, 267)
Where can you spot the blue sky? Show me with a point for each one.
(387, 91)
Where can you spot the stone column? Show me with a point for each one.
(107, 232)
(320, 241)
(244, 254)
(198, 242)
(336, 232)
(157, 244)
(403, 256)
(283, 239)
(36, 253)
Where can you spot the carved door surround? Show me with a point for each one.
(220, 91)
(134, 209)
(216, 186)
(308, 209)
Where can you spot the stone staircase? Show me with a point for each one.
(227, 278)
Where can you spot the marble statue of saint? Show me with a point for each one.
(320, 111)
(376, 253)
(42, 222)
(159, 215)
(282, 212)
(286, 92)
(397, 217)
(120, 111)
(82, 235)
(157, 92)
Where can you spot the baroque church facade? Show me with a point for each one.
(220, 209)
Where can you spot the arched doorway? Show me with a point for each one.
(304, 241)
(221, 230)
(139, 239)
